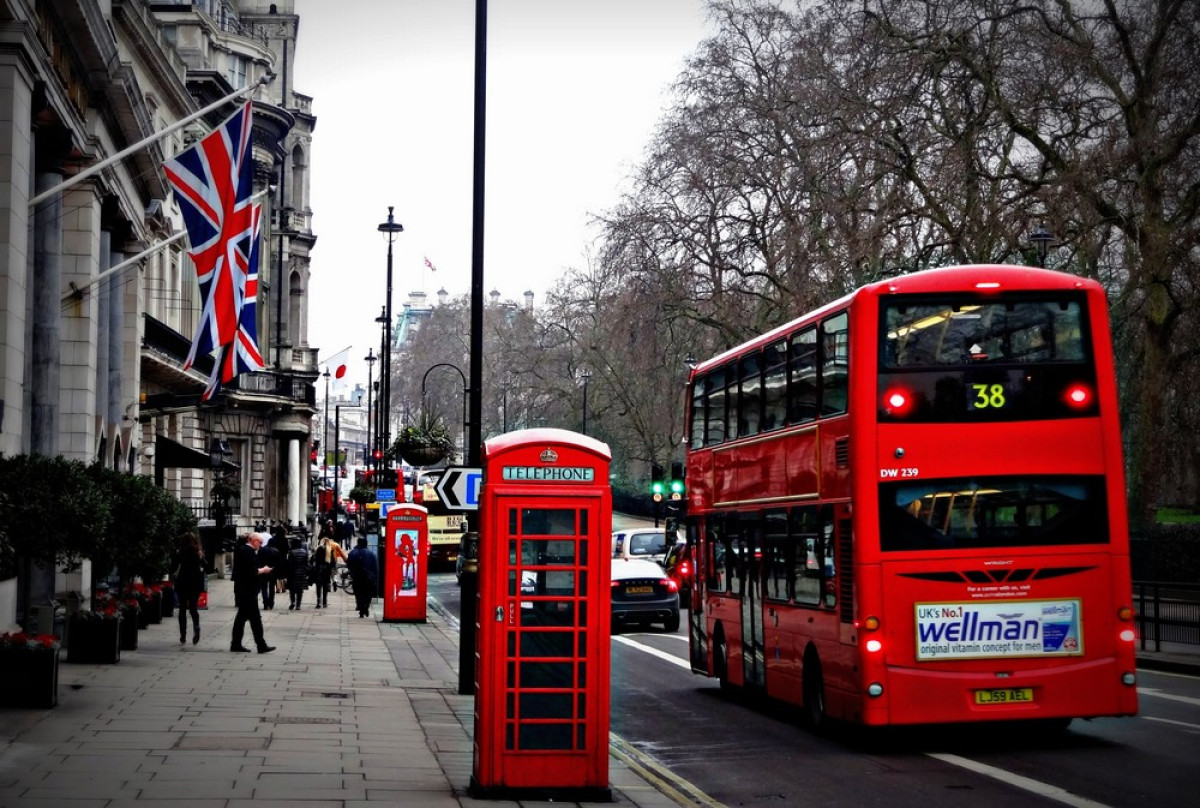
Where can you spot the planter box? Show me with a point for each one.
(96, 642)
(29, 678)
(129, 634)
(154, 608)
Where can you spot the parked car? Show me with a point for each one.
(680, 569)
(643, 593)
(646, 543)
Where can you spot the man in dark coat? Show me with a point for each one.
(247, 573)
(270, 556)
(364, 573)
(297, 572)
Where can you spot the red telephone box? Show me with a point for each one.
(542, 644)
(405, 570)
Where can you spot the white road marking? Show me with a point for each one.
(674, 660)
(1025, 783)
(1158, 694)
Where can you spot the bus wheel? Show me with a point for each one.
(814, 693)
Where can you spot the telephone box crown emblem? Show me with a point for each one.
(549, 456)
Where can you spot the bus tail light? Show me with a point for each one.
(1125, 614)
(1078, 396)
(898, 401)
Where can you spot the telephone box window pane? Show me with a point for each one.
(545, 736)
(583, 613)
(583, 589)
(511, 678)
(536, 644)
(543, 613)
(581, 705)
(546, 675)
(583, 523)
(512, 552)
(546, 705)
(582, 652)
(582, 675)
(512, 521)
(512, 643)
(542, 553)
(510, 736)
(510, 701)
(512, 583)
(581, 736)
(548, 522)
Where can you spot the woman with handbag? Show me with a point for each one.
(189, 581)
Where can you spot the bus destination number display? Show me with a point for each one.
(988, 397)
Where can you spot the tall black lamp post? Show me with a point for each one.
(466, 392)
(586, 376)
(369, 460)
(337, 446)
(391, 227)
(1042, 239)
(325, 432)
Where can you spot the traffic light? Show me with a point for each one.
(316, 451)
(657, 487)
(386, 478)
(677, 486)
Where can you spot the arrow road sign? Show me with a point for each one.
(458, 488)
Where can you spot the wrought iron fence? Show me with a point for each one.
(1167, 612)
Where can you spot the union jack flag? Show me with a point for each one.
(213, 181)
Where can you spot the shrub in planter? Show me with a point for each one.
(425, 441)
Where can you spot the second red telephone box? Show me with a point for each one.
(542, 668)
(405, 573)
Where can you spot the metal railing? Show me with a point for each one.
(1167, 612)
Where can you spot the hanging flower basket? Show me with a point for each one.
(416, 454)
(424, 442)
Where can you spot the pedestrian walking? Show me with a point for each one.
(324, 560)
(271, 555)
(247, 575)
(364, 574)
(297, 573)
(189, 580)
(344, 532)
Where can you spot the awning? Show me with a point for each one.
(171, 454)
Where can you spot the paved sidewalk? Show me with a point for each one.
(345, 712)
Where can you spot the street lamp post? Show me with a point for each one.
(370, 458)
(337, 446)
(1042, 239)
(466, 391)
(586, 375)
(391, 227)
(325, 433)
(382, 319)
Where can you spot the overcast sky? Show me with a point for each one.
(575, 88)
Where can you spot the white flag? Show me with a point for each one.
(337, 369)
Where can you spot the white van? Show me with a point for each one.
(649, 543)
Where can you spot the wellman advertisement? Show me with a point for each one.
(1032, 628)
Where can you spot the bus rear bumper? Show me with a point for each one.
(1084, 690)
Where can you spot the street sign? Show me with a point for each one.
(458, 488)
(385, 494)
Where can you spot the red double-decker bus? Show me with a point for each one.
(909, 507)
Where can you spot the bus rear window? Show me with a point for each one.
(923, 333)
(956, 514)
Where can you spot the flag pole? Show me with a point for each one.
(141, 144)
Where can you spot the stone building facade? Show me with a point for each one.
(98, 298)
